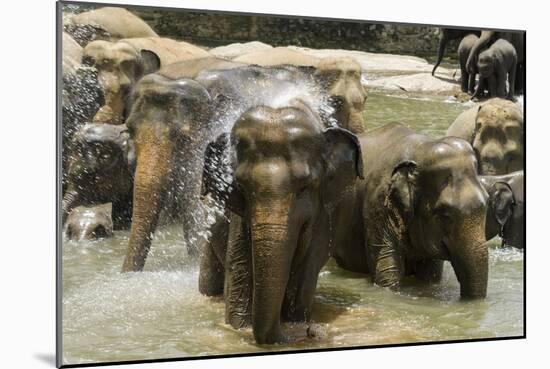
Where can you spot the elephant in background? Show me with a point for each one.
(449, 34)
(467, 79)
(487, 38)
(107, 23)
(340, 76)
(496, 65)
(506, 208)
(89, 223)
(495, 131)
(284, 174)
(101, 170)
(420, 203)
(121, 64)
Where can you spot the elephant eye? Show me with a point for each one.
(88, 61)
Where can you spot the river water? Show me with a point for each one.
(159, 313)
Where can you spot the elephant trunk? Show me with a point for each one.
(272, 252)
(469, 256)
(440, 52)
(71, 200)
(154, 159)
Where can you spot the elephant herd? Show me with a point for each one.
(498, 58)
(274, 142)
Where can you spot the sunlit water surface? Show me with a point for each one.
(109, 316)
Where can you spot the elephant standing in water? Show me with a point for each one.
(467, 79)
(121, 64)
(341, 77)
(420, 203)
(496, 66)
(107, 23)
(495, 131)
(101, 170)
(285, 173)
(86, 223)
(506, 208)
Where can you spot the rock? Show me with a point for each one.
(72, 54)
(419, 82)
(232, 51)
(374, 62)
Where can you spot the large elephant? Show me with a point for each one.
(101, 170)
(170, 123)
(449, 34)
(467, 79)
(107, 23)
(340, 76)
(495, 130)
(89, 223)
(506, 208)
(421, 203)
(487, 38)
(285, 174)
(121, 64)
(496, 66)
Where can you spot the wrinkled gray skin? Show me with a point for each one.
(506, 208)
(496, 65)
(286, 174)
(449, 34)
(467, 80)
(89, 223)
(495, 131)
(101, 170)
(421, 203)
(487, 38)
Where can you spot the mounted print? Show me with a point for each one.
(237, 184)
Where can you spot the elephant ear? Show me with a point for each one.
(150, 62)
(343, 160)
(401, 189)
(502, 202)
(217, 175)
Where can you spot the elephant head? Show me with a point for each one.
(498, 137)
(442, 205)
(166, 115)
(89, 224)
(486, 63)
(286, 170)
(342, 77)
(119, 66)
(101, 166)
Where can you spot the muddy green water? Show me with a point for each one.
(108, 316)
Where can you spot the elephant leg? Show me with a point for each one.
(300, 293)
(480, 88)
(493, 86)
(464, 80)
(471, 83)
(122, 213)
(385, 262)
(212, 271)
(512, 81)
(238, 274)
(429, 270)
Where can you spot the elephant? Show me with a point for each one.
(341, 77)
(101, 170)
(121, 64)
(506, 208)
(496, 65)
(467, 80)
(487, 38)
(420, 203)
(89, 223)
(283, 172)
(449, 34)
(107, 23)
(495, 130)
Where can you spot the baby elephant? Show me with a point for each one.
(505, 208)
(89, 223)
(495, 65)
(101, 170)
(467, 80)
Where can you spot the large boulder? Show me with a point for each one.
(235, 50)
